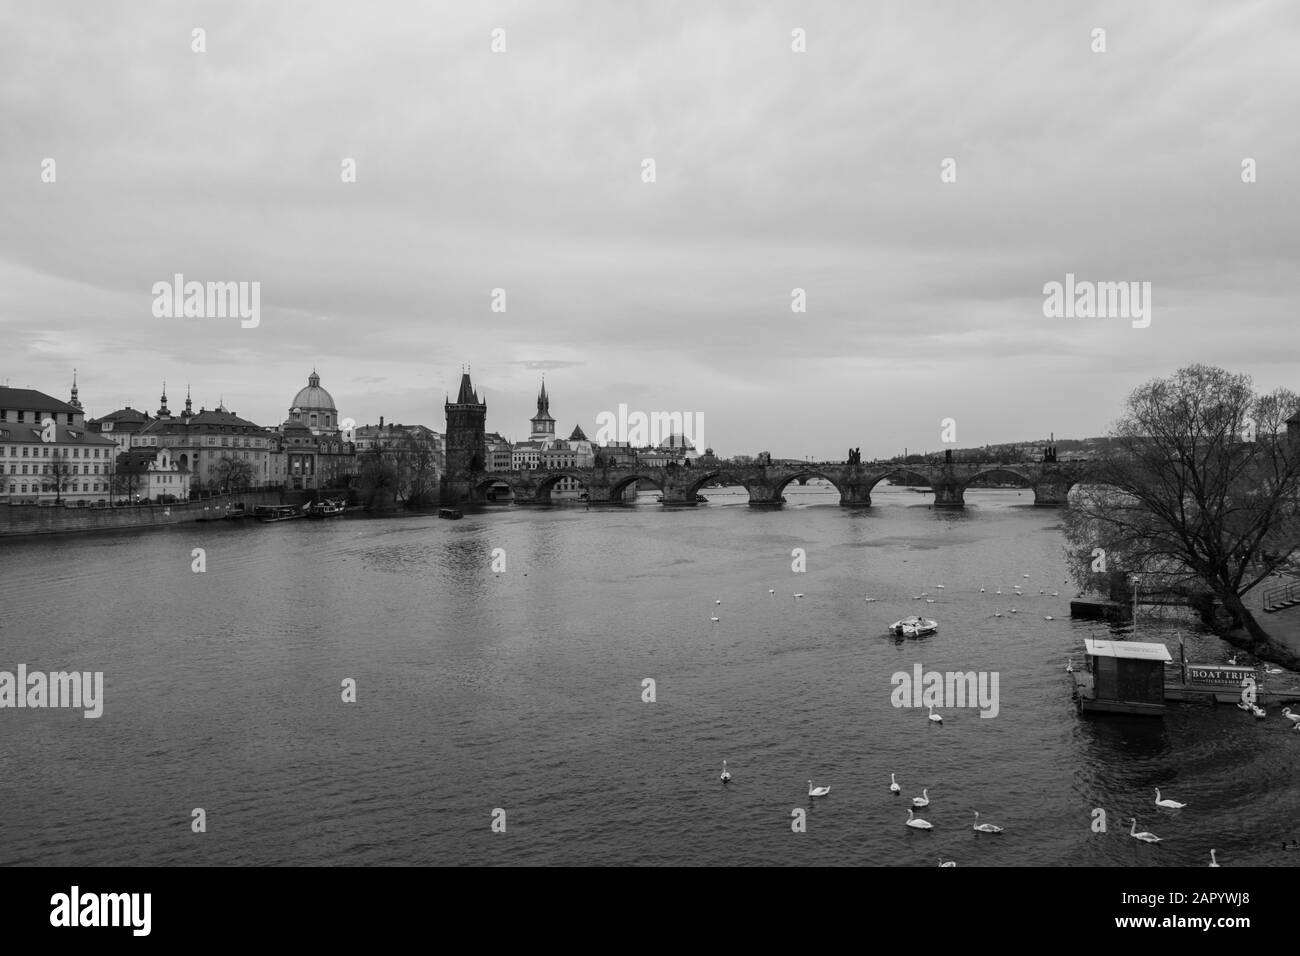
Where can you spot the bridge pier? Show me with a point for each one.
(855, 497)
(1051, 494)
(949, 494)
(764, 496)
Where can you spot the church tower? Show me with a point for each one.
(466, 442)
(543, 423)
(74, 401)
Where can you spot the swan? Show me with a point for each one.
(999, 591)
(1069, 666)
(917, 822)
(817, 791)
(1013, 610)
(949, 863)
(1056, 594)
(1024, 575)
(1213, 860)
(1272, 670)
(1233, 660)
(984, 827)
(1294, 718)
(916, 597)
(1048, 617)
(929, 600)
(726, 774)
(981, 590)
(1144, 836)
(937, 718)
(997, 613)
(923, 800)
(1171, 804)
(713, 618)
(771, 590)
(798, 595)
(893, 785)
(717, 602)
(939, 587)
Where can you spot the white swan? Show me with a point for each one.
(984, 827)
(771, 590)
(893, 785)
(914, 821)
(981, 590)
(937, 718)
(798, 595)
(713, 618)
(717, 602)
(1213, 859)
(1056, 594)
(923, 800)
(1294, 718)
(1024, 575)
(1069, 666)
(1171, 804)
(929, 600)
(949, 863)
(997, 613)
(817, 791)
(999, 591)
(1013, 610)
(939, 586)
(1144, 836)
(726, 774)
(1048, 617)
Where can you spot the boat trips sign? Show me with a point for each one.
(1219, 675)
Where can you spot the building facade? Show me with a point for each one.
(47, 453)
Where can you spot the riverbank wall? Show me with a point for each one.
(23, 520)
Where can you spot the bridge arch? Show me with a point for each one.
(1003, 470)
(707, 477)
(778, 488)
(618, 487)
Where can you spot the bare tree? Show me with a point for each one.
(60, 477)
(234, 474)
(1198, 490)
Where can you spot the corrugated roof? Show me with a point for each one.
(1132, 650)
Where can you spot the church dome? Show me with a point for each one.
(313, 396)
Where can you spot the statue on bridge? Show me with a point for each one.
(855, 456)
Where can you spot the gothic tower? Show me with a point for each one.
(466, 442)
(543, 423)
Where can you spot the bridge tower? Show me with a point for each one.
(466, 442)
(543, 424)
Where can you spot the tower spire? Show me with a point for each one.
(74, 401)
(189, 409)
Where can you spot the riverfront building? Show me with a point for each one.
(47, 453)
(199, 441)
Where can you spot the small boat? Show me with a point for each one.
(913, 627)
(277, 513)
(325, 509)
(449, 513)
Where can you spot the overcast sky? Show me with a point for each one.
(775, 170)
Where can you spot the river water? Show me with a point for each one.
(522, 691)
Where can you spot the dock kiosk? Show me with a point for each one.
(1122, 677)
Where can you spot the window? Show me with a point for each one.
(76, 453)
(45, 452)
(20, 418)
(24, 468)
(24, 486)
(85, 486)
(70, 414)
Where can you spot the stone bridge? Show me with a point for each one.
(1051, 481)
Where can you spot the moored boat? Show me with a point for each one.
(277, 513)
(325, 509)
(449, 513)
